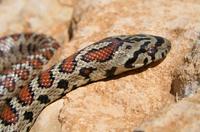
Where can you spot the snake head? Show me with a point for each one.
(143, 49)
(117, 54)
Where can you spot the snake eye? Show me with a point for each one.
(151, 50)
(128, 47)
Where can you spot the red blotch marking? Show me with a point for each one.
(45, 79)
(47, 54)
(68, 64)
(27, 35)
(55, 45)
(7, 115)
(36, 63)
(8, 83)
(3, 38)
(15, 36)
(22, 73)
(25, 95)
(7, 71)
(102, 54)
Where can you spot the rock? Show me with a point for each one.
(52, 18)
(184, 115)
(186, 80)
(122, 103)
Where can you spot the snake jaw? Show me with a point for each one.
(147, 49)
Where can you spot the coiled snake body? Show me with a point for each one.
(23, 102)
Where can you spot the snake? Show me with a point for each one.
(26, 89)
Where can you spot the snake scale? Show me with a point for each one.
(24, 54)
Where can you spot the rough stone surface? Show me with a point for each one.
(186, 80)
(180, 117)
(183, 116)
(33, 15)
(123, 103)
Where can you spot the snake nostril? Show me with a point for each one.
(128, 47)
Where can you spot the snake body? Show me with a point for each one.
(33, 51)
(102, 59)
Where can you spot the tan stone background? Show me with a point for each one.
(130, 102)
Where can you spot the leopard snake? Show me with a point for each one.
(24, 96)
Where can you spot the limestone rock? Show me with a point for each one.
(123, 103)
(184, 115)
(186, 80)
(52, 18)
